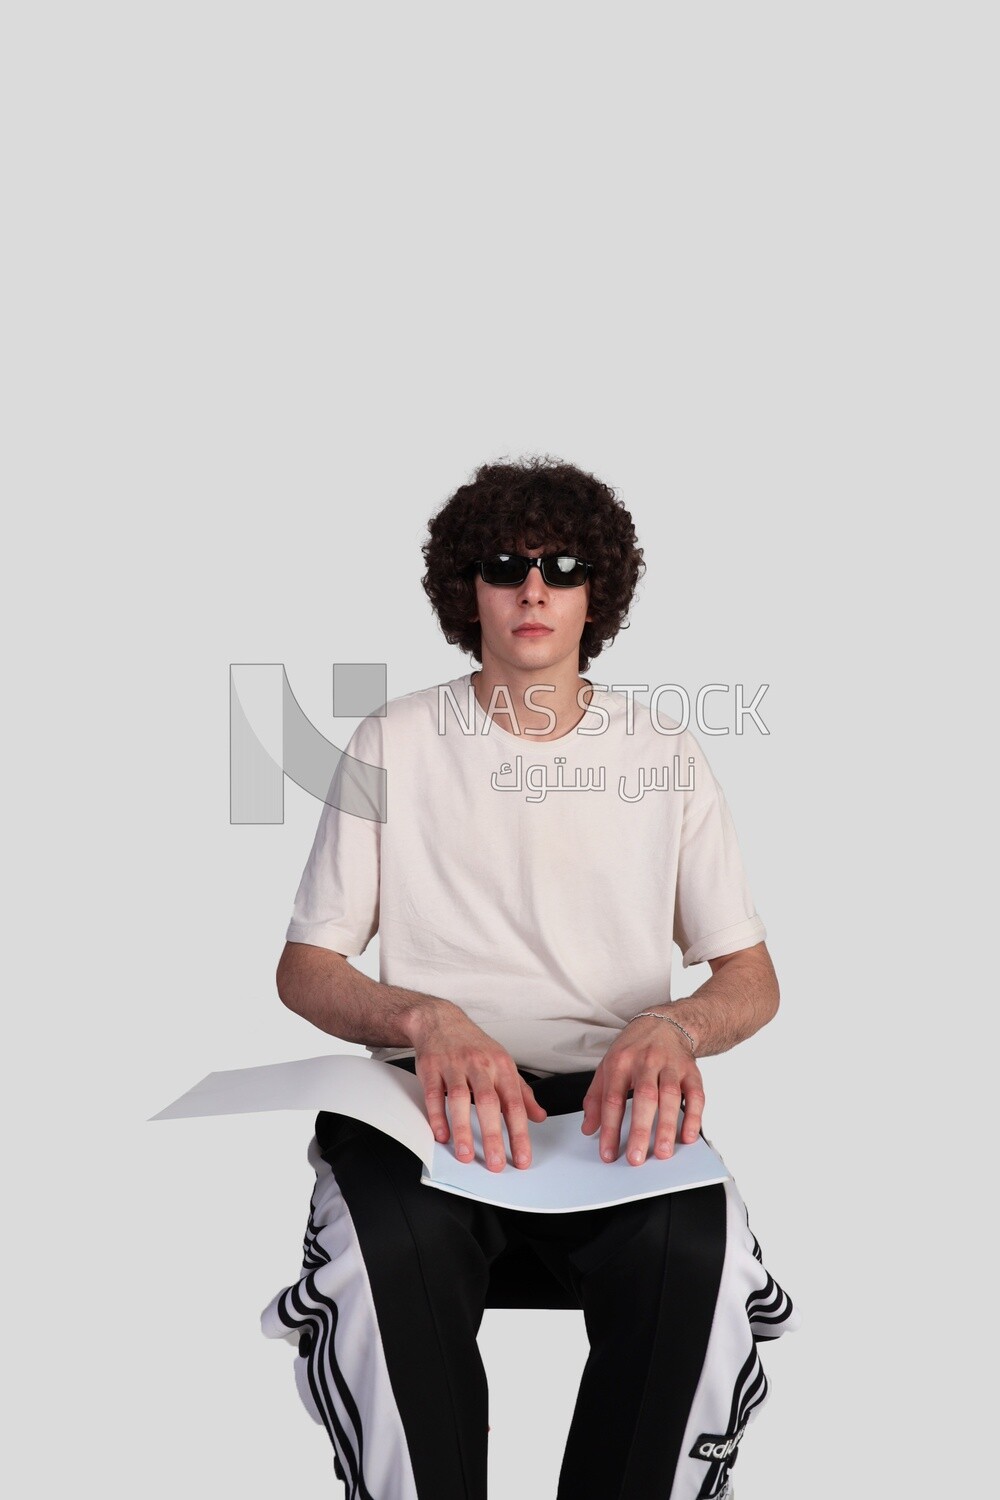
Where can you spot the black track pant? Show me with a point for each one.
(394, 1281)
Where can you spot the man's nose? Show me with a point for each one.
(534, 588)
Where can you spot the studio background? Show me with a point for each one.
(279, 279)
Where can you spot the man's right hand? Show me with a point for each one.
(457, 1061)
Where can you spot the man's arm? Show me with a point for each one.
(323, 988)
(740, 997)
(455, 1058)
(653, 1059)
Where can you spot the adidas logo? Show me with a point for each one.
(716, 1447)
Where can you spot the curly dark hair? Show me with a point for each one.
(514, 507)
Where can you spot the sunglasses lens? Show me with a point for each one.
(505, 567)
(563, 572)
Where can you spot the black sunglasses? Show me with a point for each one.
(508, 569)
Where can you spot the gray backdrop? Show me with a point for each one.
(279, 277)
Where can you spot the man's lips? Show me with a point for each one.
(533, 630)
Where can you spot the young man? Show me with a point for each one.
(526, 930)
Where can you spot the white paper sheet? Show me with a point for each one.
(566, 1171)
(389, 1098)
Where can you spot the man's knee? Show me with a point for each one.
(372, 1197)
(639, 1237)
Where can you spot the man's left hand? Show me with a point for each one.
(651, 1058)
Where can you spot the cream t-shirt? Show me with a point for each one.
(539, 885)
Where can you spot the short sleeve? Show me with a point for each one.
(713, 909)
(337, 903)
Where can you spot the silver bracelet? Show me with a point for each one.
(670, 1022)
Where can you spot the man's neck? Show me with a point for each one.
(557, 691)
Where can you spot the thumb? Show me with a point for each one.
(533, 1109)
(592, 1105)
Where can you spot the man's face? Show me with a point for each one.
(503, 612)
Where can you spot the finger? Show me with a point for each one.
(434, 1096)
(488, 1112)
(645, 1102)
(592, 1102)
(613, 1102)
(533, 1109)
(460, 1107)
(666, 1130)
(694, 1108)
(516, 1119)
